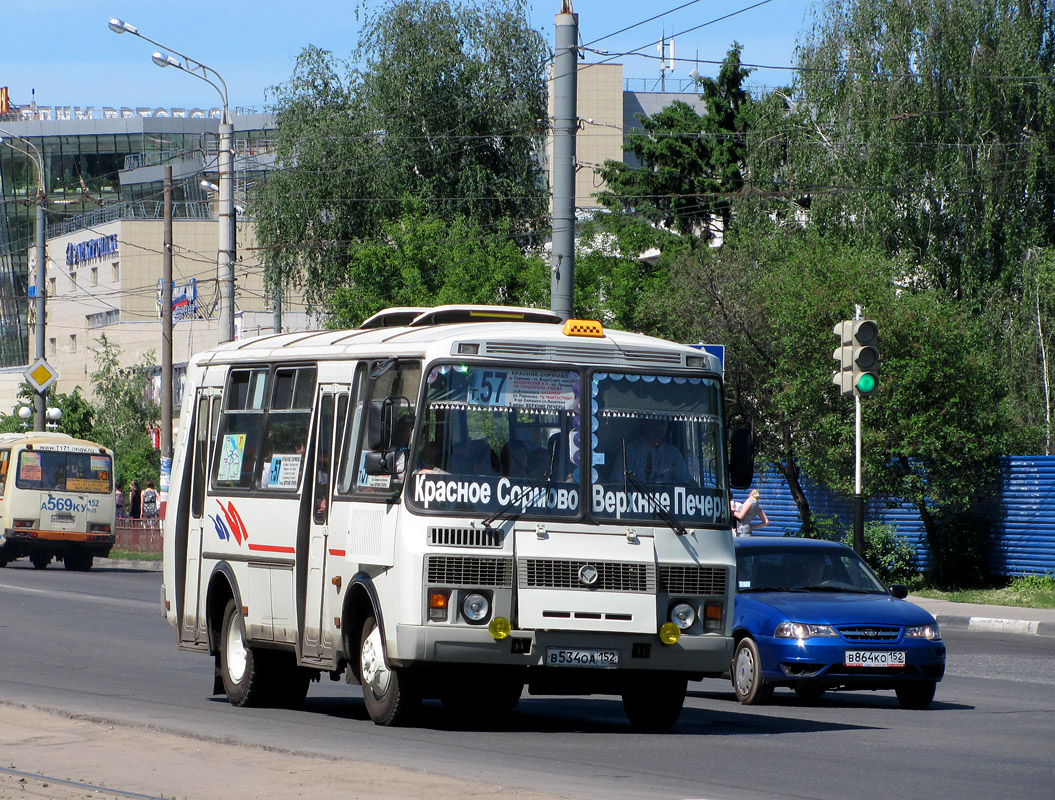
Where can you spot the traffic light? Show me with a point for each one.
(858, 357)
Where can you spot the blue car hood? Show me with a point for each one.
(832, 608)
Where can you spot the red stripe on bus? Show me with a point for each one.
(271, 548)
(338, 553)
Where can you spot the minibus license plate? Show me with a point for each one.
(875, 658)
(577, 657)
(62, 518)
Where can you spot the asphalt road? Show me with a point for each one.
(95, 644)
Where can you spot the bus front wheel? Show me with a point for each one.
(389, 693)
(243, 681)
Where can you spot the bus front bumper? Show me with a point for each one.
(702, 654)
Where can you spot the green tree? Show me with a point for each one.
(924, 128)
(687, 166)
(77, 413)
(425, 260)
(125, 412)
(446, 110)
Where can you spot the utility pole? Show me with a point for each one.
(227, 227)
(39, 421)
(166, 342)
(562, 169)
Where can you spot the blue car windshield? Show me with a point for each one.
(785, 569)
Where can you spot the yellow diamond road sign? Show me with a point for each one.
(40, 375)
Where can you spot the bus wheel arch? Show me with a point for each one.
(360, 604)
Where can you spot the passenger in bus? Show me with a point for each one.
(650, 457)
(431, 458)
(514, 458)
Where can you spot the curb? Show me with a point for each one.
(994, 625)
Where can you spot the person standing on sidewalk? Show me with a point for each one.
(135, 501)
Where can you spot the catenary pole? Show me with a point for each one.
(562, 168)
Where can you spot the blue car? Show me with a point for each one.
(812, 616)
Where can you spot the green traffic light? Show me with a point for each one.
(866, 383)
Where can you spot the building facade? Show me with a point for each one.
(103, 179)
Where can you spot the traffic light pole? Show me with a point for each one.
(859, 500)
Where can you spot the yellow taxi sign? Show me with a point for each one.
(40, 375)
(583, 327)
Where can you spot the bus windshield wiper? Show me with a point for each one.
(656, 506)
(516, 497)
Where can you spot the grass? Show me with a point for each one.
(1031, 591)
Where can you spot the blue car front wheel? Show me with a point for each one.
(750, 687)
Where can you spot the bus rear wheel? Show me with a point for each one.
(243, 679)
(390, 694)
(40, 560)
(80, 562)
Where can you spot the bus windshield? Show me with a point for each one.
(499, 438)
(63, 471)
(656, 444)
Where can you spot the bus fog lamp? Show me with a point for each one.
(499, 628)
(669, 633)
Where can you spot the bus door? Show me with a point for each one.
(206, 422)
(333, 409)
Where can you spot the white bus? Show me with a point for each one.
(445, 504)
(56, 499)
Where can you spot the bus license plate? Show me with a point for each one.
(62, 519)
(576, 657)
(875, 658)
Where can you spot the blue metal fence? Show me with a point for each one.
(1021, 514)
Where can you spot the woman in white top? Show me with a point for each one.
(746, 514)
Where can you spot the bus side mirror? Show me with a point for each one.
(379, 463)
(380, 416)
(741, 458)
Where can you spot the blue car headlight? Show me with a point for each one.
(800, 630)
(929, 632)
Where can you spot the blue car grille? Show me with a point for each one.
(870, 633)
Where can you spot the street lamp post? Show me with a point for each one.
(37, 157)
(227, 242)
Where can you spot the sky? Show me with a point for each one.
(62, 52)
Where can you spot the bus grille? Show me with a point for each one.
(612, 576)
(693, 580)
(469, 571)
(465, 537)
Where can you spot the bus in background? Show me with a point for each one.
(453, 503)
(56, 499)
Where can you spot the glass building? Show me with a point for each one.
(98, 170)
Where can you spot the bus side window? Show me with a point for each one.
(5, 460)
(241, 428)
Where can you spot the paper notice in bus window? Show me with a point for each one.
(538, 389)
(100, 464)
(231, 454)
(29, 467)
(87, 485)
(284, 472)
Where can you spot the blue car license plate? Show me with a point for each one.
(874, 658)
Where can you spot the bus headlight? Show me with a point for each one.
(682, 615)
(476, 607)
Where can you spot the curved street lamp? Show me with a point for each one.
(226, 194)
